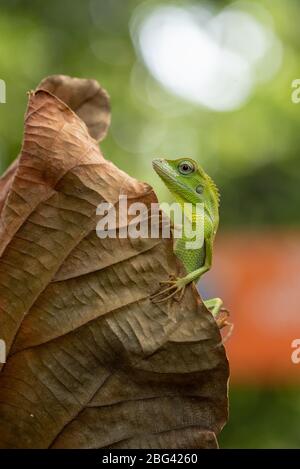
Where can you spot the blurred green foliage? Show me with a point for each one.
(253, 152)
(262, 418)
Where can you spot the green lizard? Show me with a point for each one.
(188, 183)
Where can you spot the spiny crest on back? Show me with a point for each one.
(214, 188)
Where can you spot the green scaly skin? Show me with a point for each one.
(188, 183)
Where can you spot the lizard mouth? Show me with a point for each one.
(164, 170)
(169, 176)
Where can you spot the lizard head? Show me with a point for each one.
(186, 179)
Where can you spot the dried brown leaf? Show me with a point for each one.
(86, 98)
(92, 363)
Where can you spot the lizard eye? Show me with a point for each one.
(199, 189)
(186, 167)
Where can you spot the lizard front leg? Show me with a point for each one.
(177, 285)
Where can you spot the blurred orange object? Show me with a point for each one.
(258, 277)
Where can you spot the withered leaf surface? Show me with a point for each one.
(86, 98)
(92, 363)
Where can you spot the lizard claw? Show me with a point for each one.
(222, 321)
(172, 287)
(222, 318)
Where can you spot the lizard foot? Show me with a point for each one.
(222, 321)
(222, 318)
(172, 287)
